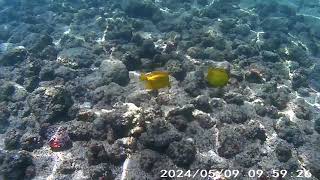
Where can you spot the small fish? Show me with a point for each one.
(155, 80)
(217, 77)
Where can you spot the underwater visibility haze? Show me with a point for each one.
(159, 89)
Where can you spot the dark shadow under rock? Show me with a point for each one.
(148, 158)
(182, 153)
(159, 136)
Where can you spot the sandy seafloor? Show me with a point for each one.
(72, 67)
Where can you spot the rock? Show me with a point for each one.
(120, 32)
(193, 82)
(299, 54)
(142, 9)
(47, 74)
(14, 56)
(176, 69)
(138, 97)
(114, 71)
(275, 24)
(4, 116)
(242, 29)
(232, 142)
(19, 33)
(283, 152)
(49, 52)
(56, 100)
(218, 42)
(147, 159)
(81, 131)
(302, 110)
(254, 76)
(182, 153)
(5, 32)
(31, 83)
(131, 60)
(96, 154)
(185, 111)
(212, 53)
(280, 98)
(147, 49)
(217, 103)
(15, 165)
(147, 64)
(101, 171)
(78, 57)
(260, 109)
(317, 125)
(117, 153)
(227, 24)
(120, 125)
(70, 41)
(12, 139)
(233, 114)
(86, 115)
(245, 50)
(65, 72)
(178, 121)
(270, 56)
(6, 91)
(234, 98)
(289, 131)
(205, 121)
(36, 42)
(272, 42)
(109, 94)
(159, 136)
(304, 92)
(66, 167)
(288, 9)
(216, 92)
(272, 112)
(5, 47)
(255, 131)
(196, 52)
(249, 157)
(299, 79)
(314, 76)
(202, 103)
(31, 141)
(312, 160)
(210, 12)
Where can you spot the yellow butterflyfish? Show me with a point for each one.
(217, 77)
(155, 80)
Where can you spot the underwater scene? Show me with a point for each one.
(159, 89)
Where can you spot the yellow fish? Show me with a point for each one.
(217, 77)
(155, 80)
